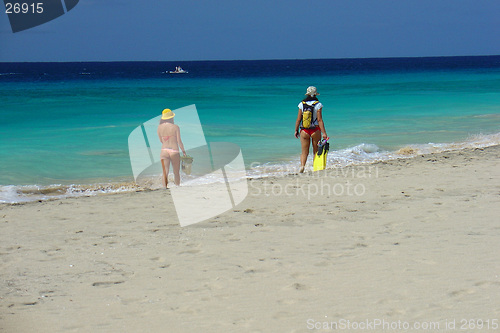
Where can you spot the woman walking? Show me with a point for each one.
(310, 122)
(170, 138)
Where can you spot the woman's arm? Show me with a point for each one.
(297, 123)
(159, 135)
(321, 123)
(179, 141)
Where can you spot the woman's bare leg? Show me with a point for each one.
(176, 164)
(305, 142)
(165, 165)
(316, 137)
(164, 178)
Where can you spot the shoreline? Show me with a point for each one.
(15, 194)
(420, 244)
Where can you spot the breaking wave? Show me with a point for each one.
(365, 153)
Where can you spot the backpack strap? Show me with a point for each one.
(305, 103)
(314, 106)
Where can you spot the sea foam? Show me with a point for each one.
(362, 154)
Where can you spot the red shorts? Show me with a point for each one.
(311, 131)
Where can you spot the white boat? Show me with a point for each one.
(178, 70)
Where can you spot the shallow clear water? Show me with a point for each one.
(69, 123)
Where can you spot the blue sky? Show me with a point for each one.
(126, 30)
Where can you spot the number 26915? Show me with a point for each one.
(16, 8)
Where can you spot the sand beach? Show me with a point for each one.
(411, 241)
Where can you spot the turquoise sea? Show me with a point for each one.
(64, 126)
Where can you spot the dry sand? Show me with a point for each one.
(416, 241)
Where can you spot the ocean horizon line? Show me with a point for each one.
(250, 60)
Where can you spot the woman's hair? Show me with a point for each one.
(163, 121)
(310, 98)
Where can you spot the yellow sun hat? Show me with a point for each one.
(167, 114)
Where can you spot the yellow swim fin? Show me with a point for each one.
(320, 157)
